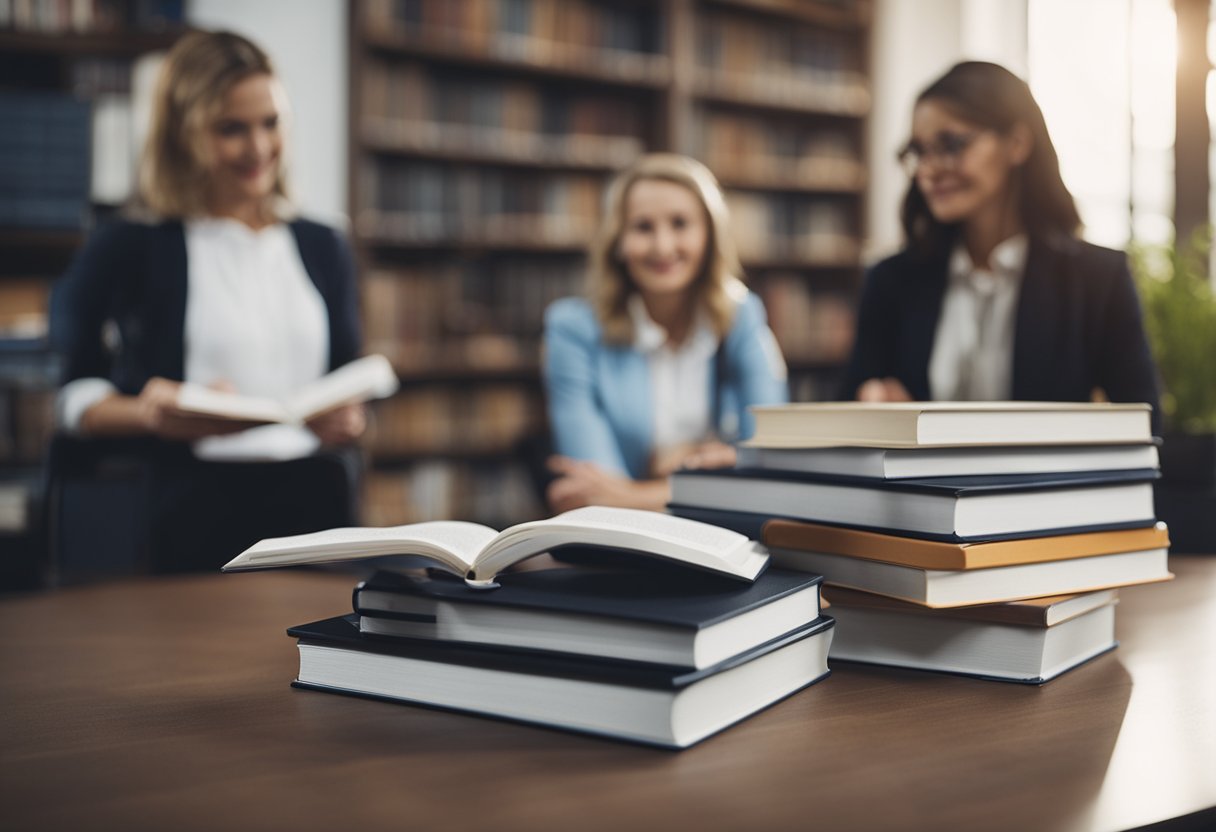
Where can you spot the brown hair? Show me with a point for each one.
(610, 284)
(197, 74)
(991, 96)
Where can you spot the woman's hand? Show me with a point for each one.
(159, 415)
(340, 426)
(883, 390)
(580, 483)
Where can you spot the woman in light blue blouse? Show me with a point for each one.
(656, 368)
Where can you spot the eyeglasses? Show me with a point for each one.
(945, 151)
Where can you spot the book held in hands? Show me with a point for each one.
(370, 377)
(478, 553)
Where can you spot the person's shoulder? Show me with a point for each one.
(124, 237)
(572, 314)
(1089, 262)
(316, 231)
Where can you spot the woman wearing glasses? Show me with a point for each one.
(994, 296)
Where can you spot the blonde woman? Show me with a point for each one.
(217, 284)
(656, 368)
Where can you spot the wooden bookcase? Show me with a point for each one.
(61, 64)
(482, 134)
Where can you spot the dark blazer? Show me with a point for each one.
(134, 274)
(1078, 326)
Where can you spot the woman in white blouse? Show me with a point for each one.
(218, 284)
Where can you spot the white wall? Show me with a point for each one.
(915, 41)
(307, 40)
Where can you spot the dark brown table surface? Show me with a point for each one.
(163, 703)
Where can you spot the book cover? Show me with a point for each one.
(926, 554)
(668, 597)
(1030, 612)
(948, 424)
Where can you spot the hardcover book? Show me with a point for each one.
(932, 554)
(912, 463)
(478, 553)
(670, 707)
(944, 508)
(964, 587)
(671, 617)
(949, 424)
(1029, 641)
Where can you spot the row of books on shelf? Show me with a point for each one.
(618, 39)
(710, 632)
(788, 226)
(810, 326)
(44, 160)
(420, 202)
(469, 419)
(412, 107)
(435, 489)
(747, 149)
(782, 62)
(90, 16)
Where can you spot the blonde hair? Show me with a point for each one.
(609, 282)
(197, 74)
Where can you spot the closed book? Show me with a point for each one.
(670, 617)
(935, 554)
(646, 703)
(1029, 641)
(949, 424)
(911, 463)
(945, 508)
(964, 587)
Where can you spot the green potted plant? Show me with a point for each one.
(1180, 318)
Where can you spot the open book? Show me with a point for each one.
(370, 377)
(479, 553)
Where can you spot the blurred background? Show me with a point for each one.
(463, 145)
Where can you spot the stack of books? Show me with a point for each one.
(1026, 515)
(667, 653)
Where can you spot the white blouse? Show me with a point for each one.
(677, 377)
(254, 319)
(972, 357)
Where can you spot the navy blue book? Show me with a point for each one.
(672, 617)
(647, 703)
(942, 508)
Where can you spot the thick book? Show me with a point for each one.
(912, 463)
(669, 707)
(1030, 641)
(997, 584)
(478, 553)
(663, 617)
(946, 508)
(370, 377)
(947, 424)
(934, 554)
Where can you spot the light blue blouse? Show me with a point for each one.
(599, 395)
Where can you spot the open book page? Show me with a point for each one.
(370, 377)
(451, 543)
(647, 532)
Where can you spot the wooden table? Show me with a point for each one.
(164, 704)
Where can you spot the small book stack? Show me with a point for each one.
(978, 538)
(667, 654)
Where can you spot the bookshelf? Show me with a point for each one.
(482, 134)
(68, 155)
